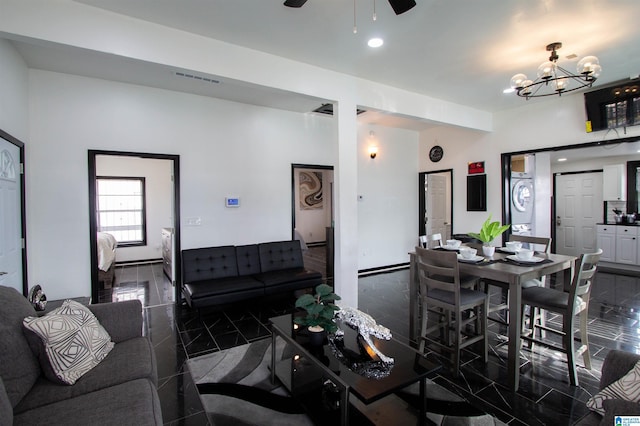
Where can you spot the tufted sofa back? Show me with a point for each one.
(209, 263)
(280, 255)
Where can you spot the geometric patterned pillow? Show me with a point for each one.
(626, 388)
(71, 341)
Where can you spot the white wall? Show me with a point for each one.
(14, 91)
(558, 121)
(225, 148)
(388, 187)
(158, 195)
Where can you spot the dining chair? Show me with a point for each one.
(437, 238)
(569, 305)
(423, 241)
(442, 287)
(540, 244)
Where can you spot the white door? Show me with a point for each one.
(11, 274)
(578, 209)
(436, 205)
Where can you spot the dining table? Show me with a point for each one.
(498, 268)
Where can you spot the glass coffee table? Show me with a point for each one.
(322, 378)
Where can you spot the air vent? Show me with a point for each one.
(328, 109)
(197, 77)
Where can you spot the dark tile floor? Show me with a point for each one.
(545, 396)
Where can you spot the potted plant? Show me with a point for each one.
(489, 232)
(320, 310)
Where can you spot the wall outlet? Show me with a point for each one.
(193, 221)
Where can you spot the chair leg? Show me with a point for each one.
(569, 346)
(584, 339)
(456, 343)
(423, 329)
(485, 330)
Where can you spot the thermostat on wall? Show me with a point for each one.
(232, 202)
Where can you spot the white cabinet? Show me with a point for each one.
(627, 245)
(614, 182)
(606, 236)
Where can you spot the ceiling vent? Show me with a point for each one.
(328, 109)
(197, 77)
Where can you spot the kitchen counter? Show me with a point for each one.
(619, 224)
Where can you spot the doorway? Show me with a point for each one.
(435, 203)
(578, 207)
(312, 214)
(174, 160)
(13, 256)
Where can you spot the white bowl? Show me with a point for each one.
(468, 252)
(514, 245)
(524, 254)
(453, 243)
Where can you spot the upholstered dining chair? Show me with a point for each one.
(569, 305)
(441, 287)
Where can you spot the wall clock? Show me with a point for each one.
(436, 153)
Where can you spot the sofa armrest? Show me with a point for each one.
(616, 365)
(122, 320)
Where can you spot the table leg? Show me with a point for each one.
(273, 357)
(344, 407)
(513, 362)
(423, 402)
(414, 322)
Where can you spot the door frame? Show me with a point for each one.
(422, 207)
(93, 222)
(294, 167)
(23, 217)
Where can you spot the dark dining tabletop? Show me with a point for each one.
(498, 268)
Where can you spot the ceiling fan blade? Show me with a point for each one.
(294, 3)
(401, 6)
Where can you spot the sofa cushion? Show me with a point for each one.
(135, 402)
(129, 360)
(209, 263)
(286, 276)
(70, 341)
(618, 407)
(6, 410)
(19, 368)
(626, 388)
(222, 286)
(248, 259)
(280, 255)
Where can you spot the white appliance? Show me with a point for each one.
(522, 197)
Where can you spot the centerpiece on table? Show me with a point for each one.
(321, 310)
(489, 232)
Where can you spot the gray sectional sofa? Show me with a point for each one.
(616, 365)
(227, 274)
(120, 390)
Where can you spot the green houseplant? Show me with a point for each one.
(320, 309)
(489, 232)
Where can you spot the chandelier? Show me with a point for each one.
(553, 79)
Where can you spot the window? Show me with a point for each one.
(121, 209)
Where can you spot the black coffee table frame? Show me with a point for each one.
(409, 367)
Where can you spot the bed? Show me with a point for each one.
(106, 258)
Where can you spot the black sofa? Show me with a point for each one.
(227, 274)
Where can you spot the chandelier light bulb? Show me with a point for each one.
(562, 84)
(517, 81)
(546, 70)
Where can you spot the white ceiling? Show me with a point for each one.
(464, 51)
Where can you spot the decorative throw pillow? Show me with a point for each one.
(70, 341)
(626, 388)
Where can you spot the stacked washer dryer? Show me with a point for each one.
(522, 195)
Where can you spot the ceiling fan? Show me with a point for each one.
(399, 6)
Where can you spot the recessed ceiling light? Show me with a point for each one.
(375, 42)
(509, 90)
(562, 159)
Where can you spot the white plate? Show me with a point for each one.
(532, 260)
(446, 247)
(474, 259)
